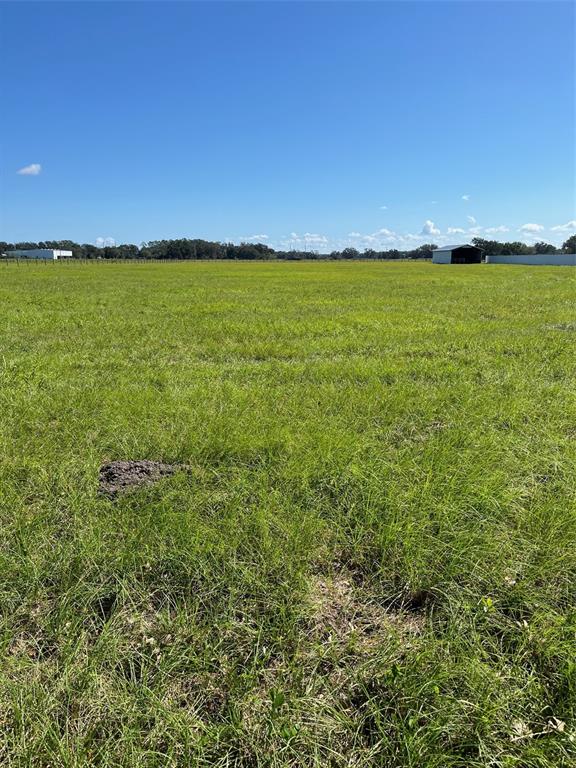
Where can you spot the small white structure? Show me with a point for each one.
(550, 259)
(40, 253)
(457, 254)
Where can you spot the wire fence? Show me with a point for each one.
(46, 262)
(24, 262)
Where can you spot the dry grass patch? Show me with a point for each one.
(346, 613)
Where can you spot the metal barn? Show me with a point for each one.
(457, 254)
(41, 253)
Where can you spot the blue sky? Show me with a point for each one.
(378, 124)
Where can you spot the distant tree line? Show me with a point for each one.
(494, 247)
(188, 249)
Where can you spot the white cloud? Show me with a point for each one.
(383, 235)
(565, 227)
(311, 237)
(308, 238)
(30, 170)
(493, 230)
(383, 207)
(385, 238)
(466, 197)
(102, 242)
(430, 228)
(256, 237)
(531, 228)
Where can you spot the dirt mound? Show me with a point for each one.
(118, 476)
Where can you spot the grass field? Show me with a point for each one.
(370, 556)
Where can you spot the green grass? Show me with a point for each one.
(371, 559)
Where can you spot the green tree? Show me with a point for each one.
(489, 247)
(516, 248)
(544, 248)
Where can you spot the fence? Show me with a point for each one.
(47, 262)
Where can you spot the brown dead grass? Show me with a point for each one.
(344, 612)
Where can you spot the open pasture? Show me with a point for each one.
(368, 555)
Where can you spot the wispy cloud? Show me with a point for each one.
(531, 229)
(382, 235)
(385, 238)
(102, 242)
(565, 227)
(430, 228)
(255, 237)
(312, 239)
(466, 197)
(383, 207)
(30, 170)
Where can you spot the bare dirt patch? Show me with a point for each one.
(343, 611)
(561, 327)
(118, 476)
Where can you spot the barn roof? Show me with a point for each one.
(453, 247)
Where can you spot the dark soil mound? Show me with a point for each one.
(118, 476)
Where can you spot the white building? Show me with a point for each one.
(457, 254)
(41, 253)
(549, 259)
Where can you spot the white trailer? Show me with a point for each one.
(535, 259)
(51, 254)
